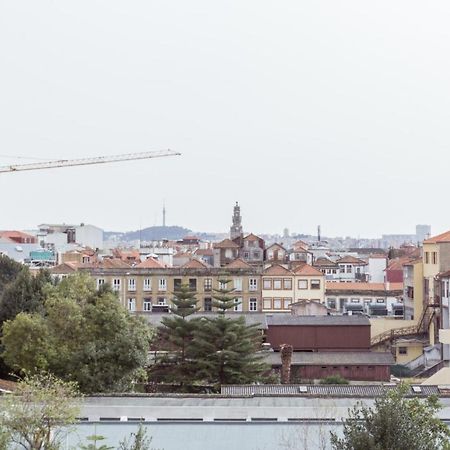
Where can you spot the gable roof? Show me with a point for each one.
(275, 244)
(307, 270)
(65, 268)
(276, 269)
(238, 263)
(194, 264)
(150, 263)
(226, 243)
(324, 262)
(351, 260)
(252, 237)
(444, 237)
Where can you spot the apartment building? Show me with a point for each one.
(282, 286)
(149, 286)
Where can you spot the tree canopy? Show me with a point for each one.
(394, 422)
(83, 335)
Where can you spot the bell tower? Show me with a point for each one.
(236, 228)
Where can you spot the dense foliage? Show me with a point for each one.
(394, 422)
(82, 335)
(34, 415)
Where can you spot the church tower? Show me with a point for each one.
(236, 228)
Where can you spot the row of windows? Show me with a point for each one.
(276, 303)
(286, 284)
(162, 284)
(332, 302)
(431, 258)
(207, 304)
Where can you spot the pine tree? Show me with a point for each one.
(175, 336)
(226, 350)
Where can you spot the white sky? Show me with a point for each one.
(306, 112)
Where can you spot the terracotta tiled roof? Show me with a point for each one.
(150, 263)
(194, 264)
(65, 268)
(351, 260)
(276, 269)
(275, 244)
(398, 263)
(12, 234)
(238, 264)
(324, 262)
(444, 237)
(204, 252)
(226, 243)
(251, 237)
(307, 270)
(353, 286)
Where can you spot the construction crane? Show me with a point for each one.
(87, 161)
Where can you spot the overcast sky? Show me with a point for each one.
(306, 112)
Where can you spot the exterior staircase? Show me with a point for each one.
(414, 330)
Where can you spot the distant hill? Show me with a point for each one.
(149, 234)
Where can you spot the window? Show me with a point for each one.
(193, 284)
(331, 303)
(131, 284)
(315, 284)
(131, 304)
(147, 304)
(277, 303)
(237, 304)
(176, 284)
(100, 282)
(162, 301)
(380, 300)
(267, 283)
(253, 304)
(253, 284)
(277, 283)
(147, 284)
(267, 303)
(403, 350)
(287, 283)
(223, 285)
(116, 284)
(434, 257)
(342, 268)
(162, 284)
(207, 284)
(287, 303)
(207, 304)
(427, 258)
(303, 284)
(246, 255)
(355, 300)
(238, 284)
(349, 268)
(256, 255)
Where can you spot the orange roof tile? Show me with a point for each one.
(276, 269)
(351, 260)
(354, 286)
(194, 264)
(226, 243)
(251, 237)
(307, 270)
(150, 263)
(238, 264)
(444, 237)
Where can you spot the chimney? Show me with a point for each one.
(286, 361)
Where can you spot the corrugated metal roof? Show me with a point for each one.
(289, 319)
(319, 390)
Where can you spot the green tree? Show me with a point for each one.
(175, 337)
(94, 438)
(137, 441)
(9, 269)
(226, 350)
(394, 422)
(33, 417)
(25, 294)
(84, 335)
